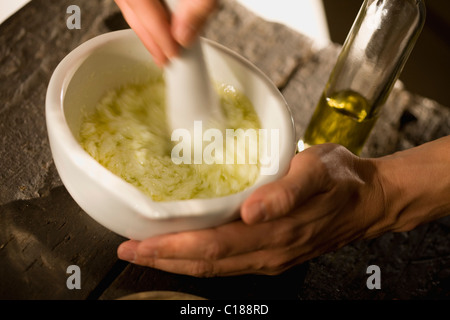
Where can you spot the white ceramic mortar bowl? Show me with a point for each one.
(116, 58)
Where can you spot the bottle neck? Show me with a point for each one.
(377, 48)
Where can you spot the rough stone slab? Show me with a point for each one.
(31, 46)
(274, 48)
(42, 230)
(424, 120)
(414, 265)
(40, 238)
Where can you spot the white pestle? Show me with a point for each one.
(189, 90)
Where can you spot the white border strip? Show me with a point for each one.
(305, 16)
(9, 7)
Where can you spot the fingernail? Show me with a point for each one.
(127, 254)
(256, 212)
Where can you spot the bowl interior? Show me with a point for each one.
(119, 58)
(103, 67)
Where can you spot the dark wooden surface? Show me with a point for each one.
(43, 231)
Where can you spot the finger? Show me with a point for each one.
(228, 240)
(133, 21)
(211, 244)
(159, 57)
(232, 266)
(284, 253)
(127, 250)
(279, 198)
(189, 18)
(268, 262)
(155, 18)
(151, 21)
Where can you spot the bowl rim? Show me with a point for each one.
(56, 123)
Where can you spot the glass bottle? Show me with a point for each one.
(372, 58)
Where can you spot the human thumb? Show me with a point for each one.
(279, 198)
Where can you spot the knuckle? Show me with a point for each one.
(202, 269)
(286, 198)
(283, 235)
(214, 251)
(270, 264)
(277, 266)
(145, 261)
(283, 200)
(270, 270)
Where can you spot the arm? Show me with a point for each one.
(416, 184)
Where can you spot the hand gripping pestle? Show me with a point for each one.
(189, 90)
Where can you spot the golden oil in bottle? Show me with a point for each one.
(345, 118)
(371, 60)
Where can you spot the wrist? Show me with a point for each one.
(373, 210)
(416, 186)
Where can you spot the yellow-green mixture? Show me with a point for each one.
(128, 134)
